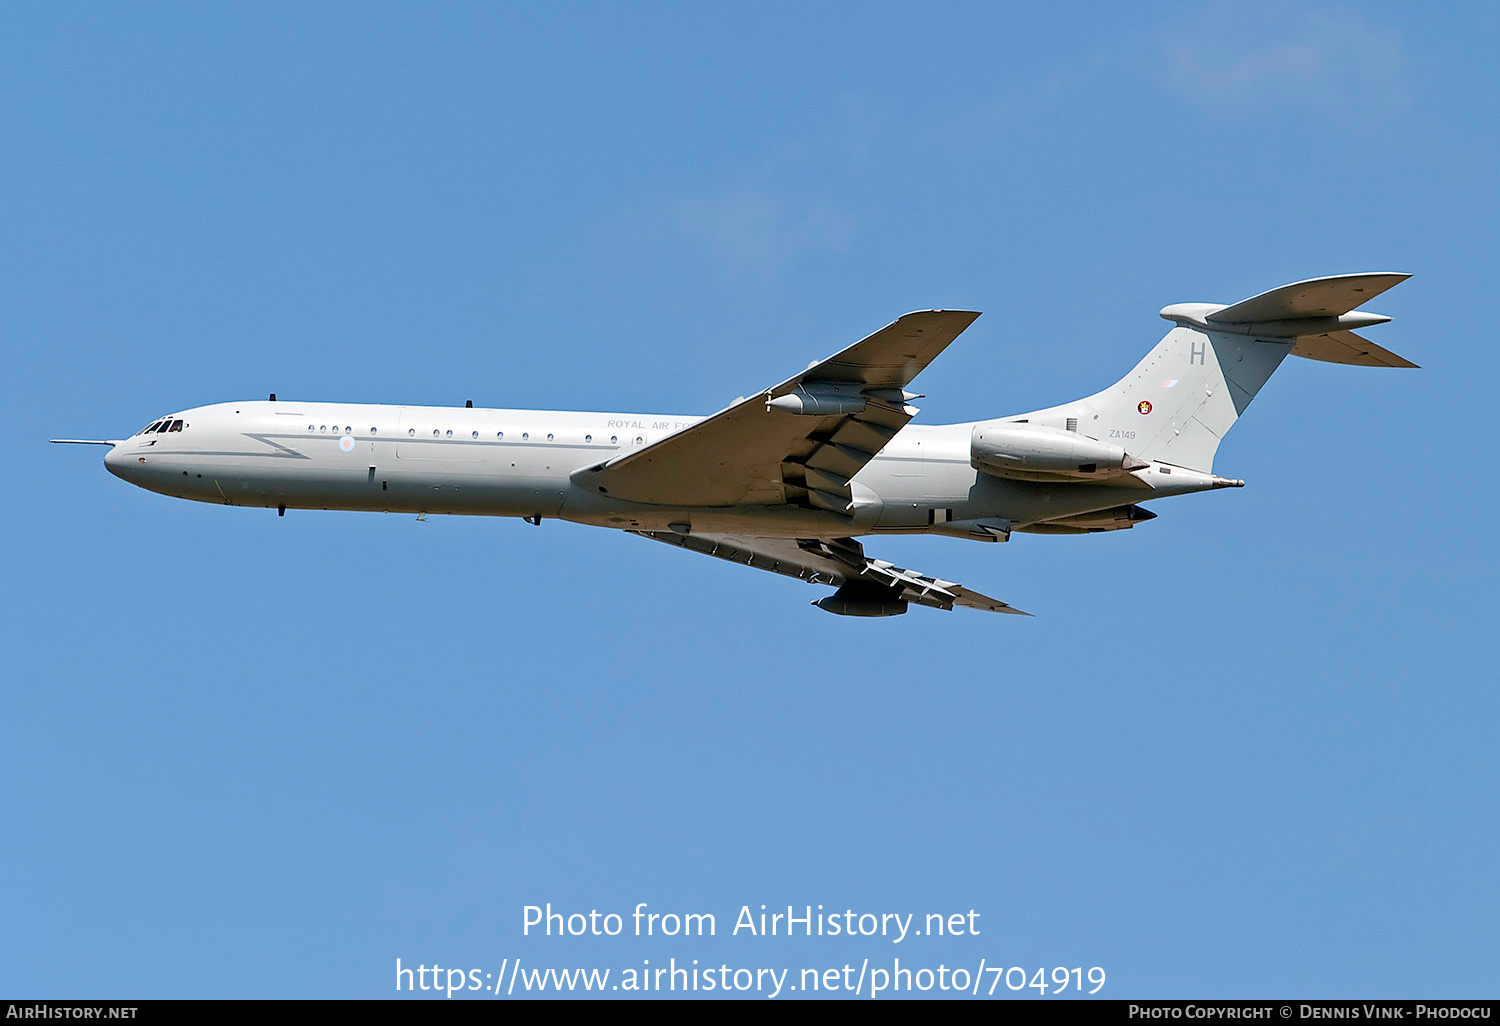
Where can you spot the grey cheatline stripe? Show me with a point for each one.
(408, 440)
(287, 453)
(281, 451)
(920, 459)
(498, 444)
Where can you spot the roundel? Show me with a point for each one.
(1144, 407)
(346, 443)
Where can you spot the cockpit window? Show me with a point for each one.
(176, 426)
(149, 428)
(164, 425)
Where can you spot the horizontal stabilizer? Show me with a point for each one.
(1318, 314)
(1348, 348)
(1316, 297)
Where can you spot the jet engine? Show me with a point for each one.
(859, 598)
(1033, 452)
(1116, 518)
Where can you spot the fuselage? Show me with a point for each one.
(783, 480)
(519, 463)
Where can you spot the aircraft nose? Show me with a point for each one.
(116, 462)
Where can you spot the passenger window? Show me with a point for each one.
(588, 438)
(176, 426)
(499, 434)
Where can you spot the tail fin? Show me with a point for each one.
(1178, 402)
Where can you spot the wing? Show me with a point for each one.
(865, 585)
(797, 442)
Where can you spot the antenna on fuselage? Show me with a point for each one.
(273, 397)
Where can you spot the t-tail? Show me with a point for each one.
(1177, 404)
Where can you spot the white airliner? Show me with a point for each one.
(785, 479)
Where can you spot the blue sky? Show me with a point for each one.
(1244, 750)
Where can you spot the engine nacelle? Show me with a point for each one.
(857, 598)
(1009, 449)
(1116, 518)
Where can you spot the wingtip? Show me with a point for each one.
(970, 314)
(1403, 275)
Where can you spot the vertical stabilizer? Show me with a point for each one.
(1178, 403)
